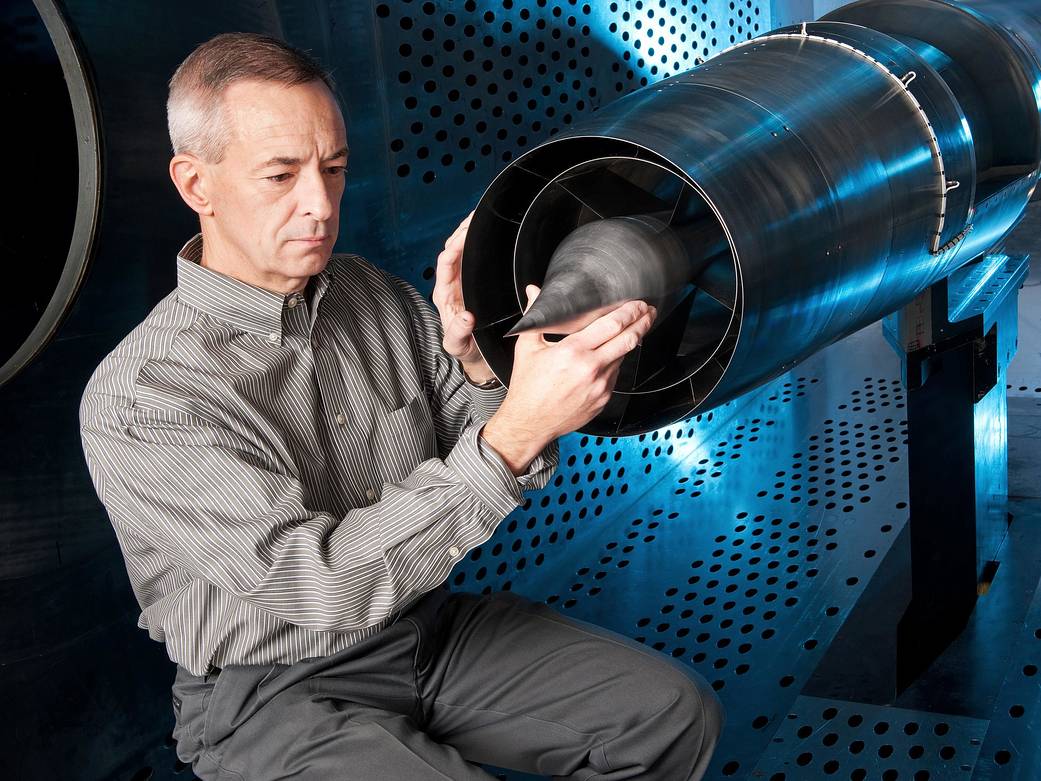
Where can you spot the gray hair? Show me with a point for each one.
(195, 112)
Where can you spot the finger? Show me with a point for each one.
(532, 292)
(448, 292)
(624, 342)
(454, 246)
(608, 326)
(458, 333)
(460, 231)
(453, 234)
(448, 266)
(448, 287)
(466, 220)
(457, 239)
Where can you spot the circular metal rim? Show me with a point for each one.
(686, 182)
(83, 244)
(723, 369)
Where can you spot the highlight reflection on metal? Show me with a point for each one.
(785, 193)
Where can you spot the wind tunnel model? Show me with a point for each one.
(785, 193)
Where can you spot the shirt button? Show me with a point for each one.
(453, 551)
(341, 418)
(371, 494)
(292, 302)
(273, 336)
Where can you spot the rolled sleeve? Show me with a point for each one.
(485, 401)
(490, 478)
(541, 468)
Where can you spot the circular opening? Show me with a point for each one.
(619, 228)
(497, 263)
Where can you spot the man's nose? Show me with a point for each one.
(316, 197)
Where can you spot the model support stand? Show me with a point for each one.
(955, 341)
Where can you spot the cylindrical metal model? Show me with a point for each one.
(772, 200)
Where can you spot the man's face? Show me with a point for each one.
(276, 193)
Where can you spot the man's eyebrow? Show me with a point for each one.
(342, 152)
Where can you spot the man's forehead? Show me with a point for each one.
(293, 135)
(275, 115)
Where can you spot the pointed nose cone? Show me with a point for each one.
(551, 308)
(601, 265)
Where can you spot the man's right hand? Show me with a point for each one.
(558, 387)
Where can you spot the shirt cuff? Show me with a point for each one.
(485, 401)
(541, 468)
(486, 473)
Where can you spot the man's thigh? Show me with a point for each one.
(308, 733)
(514, 683)
(349, 715)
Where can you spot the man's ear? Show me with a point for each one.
(191, 178)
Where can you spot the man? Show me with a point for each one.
(294, 451)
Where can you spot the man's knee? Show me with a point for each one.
(668, 721)
(701, 708)
(686, 732)
(648, 686)
(694, 706)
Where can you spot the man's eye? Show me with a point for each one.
(336, 170)
(279, 177)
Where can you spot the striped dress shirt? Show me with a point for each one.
(286, 473)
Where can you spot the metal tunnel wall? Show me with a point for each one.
(438, 96)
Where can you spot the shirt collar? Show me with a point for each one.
(247, 307)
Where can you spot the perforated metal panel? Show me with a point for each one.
(468, 86)
(595, 476)
(1012, 750)
(824, 739)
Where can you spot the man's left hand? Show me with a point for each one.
(456, 321)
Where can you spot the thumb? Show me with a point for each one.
(532, 292)
(529, 337)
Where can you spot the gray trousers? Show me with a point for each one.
(458, 679)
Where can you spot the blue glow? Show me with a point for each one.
(858, 183)
(968, 130)
(920, 156)
(658, 42)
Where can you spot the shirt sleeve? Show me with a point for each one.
(456, 403)
(218, 504)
